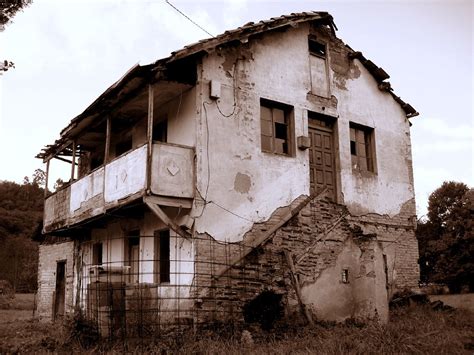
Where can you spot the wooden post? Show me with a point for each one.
(296, 285)
(107, 140)
(73, 164)
(46, 182)
(151, 96)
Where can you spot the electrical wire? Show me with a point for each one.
(188, 18)
(235, 93)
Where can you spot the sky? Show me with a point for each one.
(66, 53)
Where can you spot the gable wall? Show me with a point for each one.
(241, 178)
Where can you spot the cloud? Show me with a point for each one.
(447, 128)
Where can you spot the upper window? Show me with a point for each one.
(275, 124)
(362, 148)
(316, 48)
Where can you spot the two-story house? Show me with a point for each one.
(272, 162)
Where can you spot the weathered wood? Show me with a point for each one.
(170, 201)
(73, 165)
(62, 159)
(168, 221)
(151, 97)
(107, 140)
(46, 180)
(296, 286)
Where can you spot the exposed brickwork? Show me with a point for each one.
(49, 255)
(397, 235)
(57, 209)
(315, 237)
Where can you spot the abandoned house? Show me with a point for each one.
(269, 164)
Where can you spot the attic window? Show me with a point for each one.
(316, 48)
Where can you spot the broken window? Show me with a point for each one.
(316, 48)
(275, 125)
(97, 254)
(362, 147)
(162, 256)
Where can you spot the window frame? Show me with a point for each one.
(288, 121)
(132, 239)
(312, 39)
(362, 136)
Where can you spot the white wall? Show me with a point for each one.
(251, 184)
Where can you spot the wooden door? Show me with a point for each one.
(321, 157)
(60, 291)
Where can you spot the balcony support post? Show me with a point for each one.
(73, 165)
(46, 179)
(151, 96)
(107, 140)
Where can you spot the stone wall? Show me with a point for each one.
(49, 255)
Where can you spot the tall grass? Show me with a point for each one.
(411, 330)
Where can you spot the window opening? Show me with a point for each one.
(97, 254)
(362, 148)
(132, 255)
(275, 125)
(160, 131)
(316, 48)
(162, 256)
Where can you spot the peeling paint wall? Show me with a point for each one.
(276, 66)
(238, 176)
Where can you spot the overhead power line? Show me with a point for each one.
(187, 17)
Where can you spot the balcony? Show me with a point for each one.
(122, 181)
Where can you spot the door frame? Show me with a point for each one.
(59, 303)
(335, 143)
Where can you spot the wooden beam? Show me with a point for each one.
(170, 201)
(53, 152)
(62, 159)
(296, 286)
(168, 221)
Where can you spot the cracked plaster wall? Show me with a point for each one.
(240, 178)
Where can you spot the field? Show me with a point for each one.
(415, 330)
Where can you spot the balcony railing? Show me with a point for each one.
(120, 181)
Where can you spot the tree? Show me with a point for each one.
(21, 213)
(9, 8)
(39, 178)
(446, 238)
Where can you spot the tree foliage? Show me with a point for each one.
(21, 212)
(446, 238)
(8, 9)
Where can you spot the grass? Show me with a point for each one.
(413, 330)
